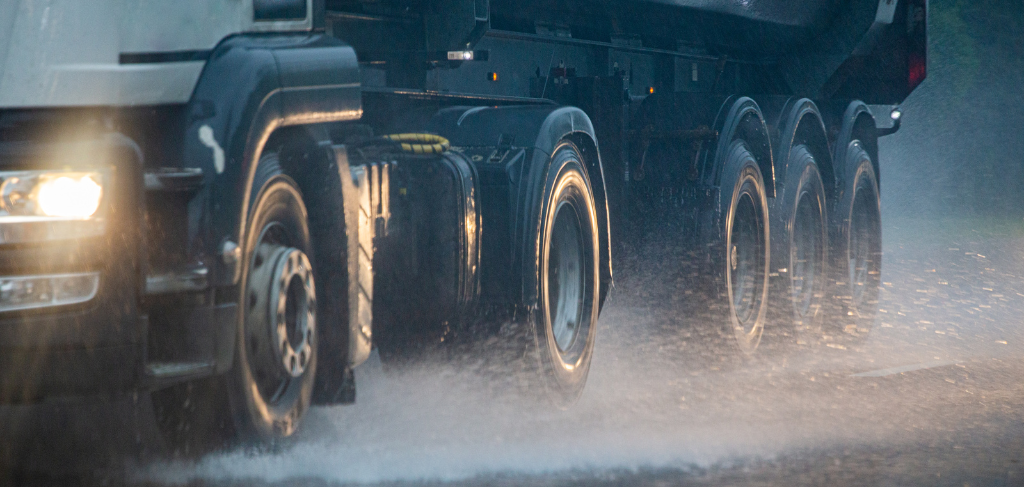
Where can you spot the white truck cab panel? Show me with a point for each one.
(57, 53)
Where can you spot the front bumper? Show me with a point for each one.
(96, 346)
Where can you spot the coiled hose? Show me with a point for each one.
(414, 143)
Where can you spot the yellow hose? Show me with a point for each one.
(420, 143)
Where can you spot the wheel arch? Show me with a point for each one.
(741, 117)
(802, 123)
(857, 123)
(252, 87)
(573, 125)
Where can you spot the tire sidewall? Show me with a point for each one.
(742, 176)
(278, 200)
(804, 178)
(567, 181)
(860, 177)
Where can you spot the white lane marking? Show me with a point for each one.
(206, 137)
(905, 368)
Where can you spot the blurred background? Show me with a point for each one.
(961, 149)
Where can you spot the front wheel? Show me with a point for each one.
(271, 383)
(566, 321)
(267, 392)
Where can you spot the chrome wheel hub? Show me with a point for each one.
(282, 299)
(745, 264)
(566, 278)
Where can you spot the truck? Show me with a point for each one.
(225, 205)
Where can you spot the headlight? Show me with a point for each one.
(59, 195)
(37, 206)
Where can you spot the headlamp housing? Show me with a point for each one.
(45, 205)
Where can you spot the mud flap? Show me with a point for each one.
(359, 222)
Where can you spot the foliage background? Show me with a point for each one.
(961, 149)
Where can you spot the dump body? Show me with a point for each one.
(743, 28)
(821, 49)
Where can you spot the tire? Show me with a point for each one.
(740, 257)
(566, 318)
(857, 248)
(244, 404)
(802, 255)
(271, 383)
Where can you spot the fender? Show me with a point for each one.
(800, 122)
(740, 117)
(251, 86)
(857, 123)
(535, 130)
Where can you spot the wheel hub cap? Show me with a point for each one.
(565, 278)
(284, 307)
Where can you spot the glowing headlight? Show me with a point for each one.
(49, 195)
(69, 196)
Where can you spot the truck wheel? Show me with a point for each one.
(802, 284)
(742, 257)
(568, 277)
(268, 390)
(271, 383)
(857, 247)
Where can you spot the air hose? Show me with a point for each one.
(414, 143)
(420, 143)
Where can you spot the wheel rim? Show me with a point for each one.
(806, 254)
(746, 263)
(281, 317)
(566, 277)
(862, 248)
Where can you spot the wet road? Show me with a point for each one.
(932, 396)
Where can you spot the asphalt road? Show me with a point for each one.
(932, 396)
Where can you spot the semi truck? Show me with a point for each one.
(225, 205)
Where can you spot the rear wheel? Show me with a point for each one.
(804, 262)
(742, 257)
(857, 247)
(566, 322)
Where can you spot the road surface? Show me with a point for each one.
(934, 395)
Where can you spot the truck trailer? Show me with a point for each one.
(225, 205)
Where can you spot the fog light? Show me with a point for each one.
(29, 292)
